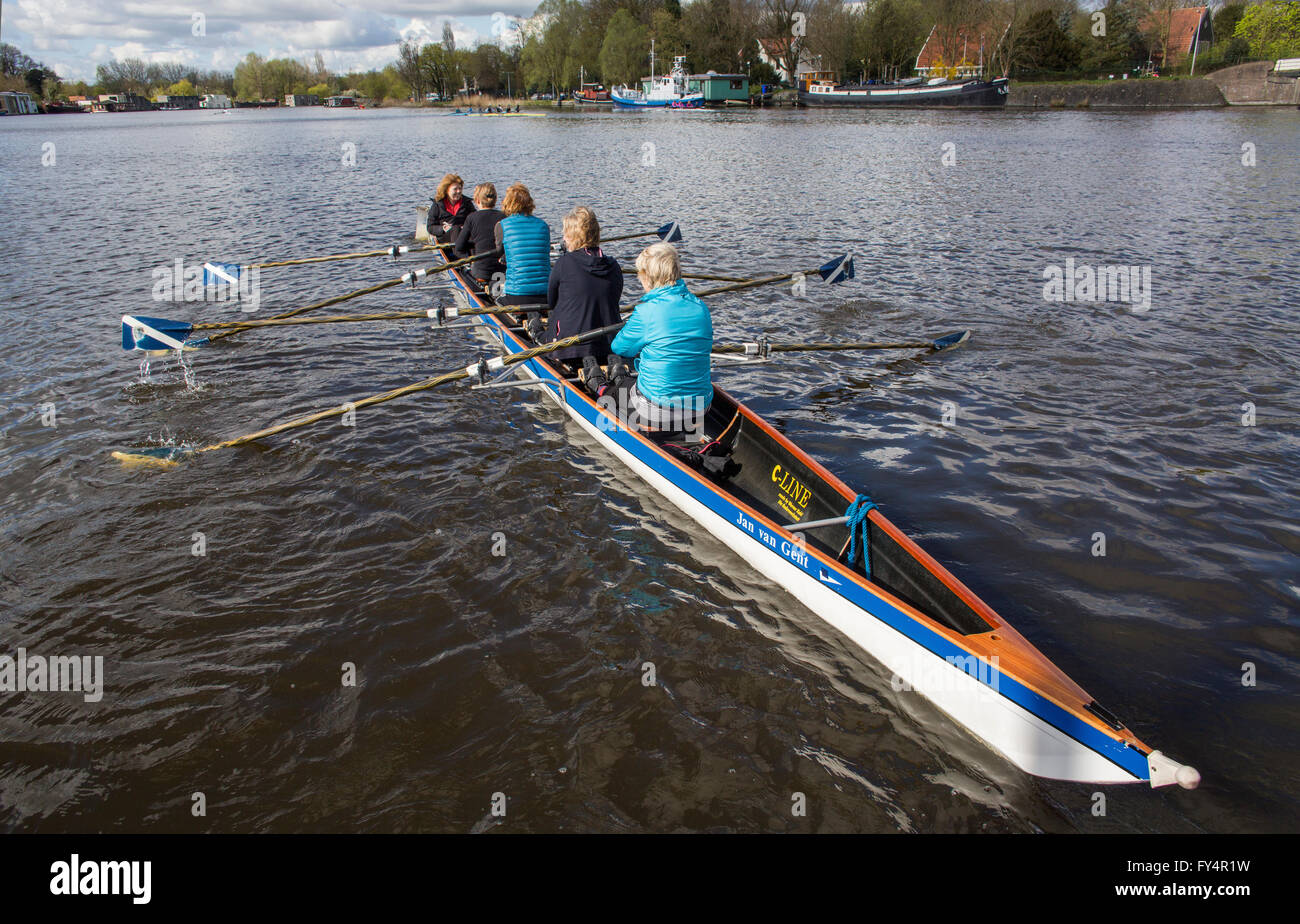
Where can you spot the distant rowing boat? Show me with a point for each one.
(783, 512)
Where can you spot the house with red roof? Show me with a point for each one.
(961, 51)
(1180, 31)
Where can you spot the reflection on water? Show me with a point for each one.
(372, 545)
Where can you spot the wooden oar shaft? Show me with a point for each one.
(335, 319)
(424, 385)
(337, 256)
(631, 270)
(824, 346)
(628, 237)
(854, 345)
(753, 283)
(378, 287)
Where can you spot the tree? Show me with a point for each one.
(1044, 45)
(250, 76)
(182, 87)
(438, 68)
(894, 31)
(1232, 49)
(783, 23)
(36, 79)
(128, 75)
(13, 63)
(548, 57)
(408, 65)
(623, 53)
(670, 38)
(834, 36)
(1271, 29)
(721, 35)
(1120, 48)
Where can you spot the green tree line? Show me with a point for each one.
(608, 41)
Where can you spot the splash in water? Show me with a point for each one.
(191, 377)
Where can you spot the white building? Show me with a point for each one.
(215, 101)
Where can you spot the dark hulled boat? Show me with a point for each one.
(967, 93)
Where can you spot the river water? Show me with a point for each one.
(521, 673)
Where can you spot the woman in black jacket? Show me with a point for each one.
(449, 210)
(478, 235)
(583, 292)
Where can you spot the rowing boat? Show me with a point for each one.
(784, 513)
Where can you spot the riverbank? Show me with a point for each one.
(1190, 93)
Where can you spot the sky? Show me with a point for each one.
(72, 36)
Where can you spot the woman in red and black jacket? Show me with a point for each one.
(449, 210)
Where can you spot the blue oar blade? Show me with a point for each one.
(951, 341)
(216, 274)
(136, 338)
(671, 232)
(837, 270)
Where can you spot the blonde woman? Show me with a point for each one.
(449, 210)
(671, 335)
(583, 293)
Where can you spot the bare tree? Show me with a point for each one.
(783, 24)
(408, 65)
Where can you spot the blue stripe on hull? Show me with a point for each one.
(1129, 759)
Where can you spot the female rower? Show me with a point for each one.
(583, 293)
(479, 234)
(671, 334)
(449, 210)
(527, 243)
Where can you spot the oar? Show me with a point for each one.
(631, 271)
(834, 272)
(763, 348)
(671, 232)
(165, 455)
(394, 251)
(142, 333)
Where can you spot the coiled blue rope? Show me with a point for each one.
(857, 523)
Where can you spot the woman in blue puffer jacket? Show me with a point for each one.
(527, 242)
(671, 335)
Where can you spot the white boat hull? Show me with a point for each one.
(981, 702)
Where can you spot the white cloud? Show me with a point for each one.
(355, 34)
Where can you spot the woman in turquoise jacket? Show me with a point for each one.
(671, 334)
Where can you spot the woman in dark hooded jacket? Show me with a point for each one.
(584, 290)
